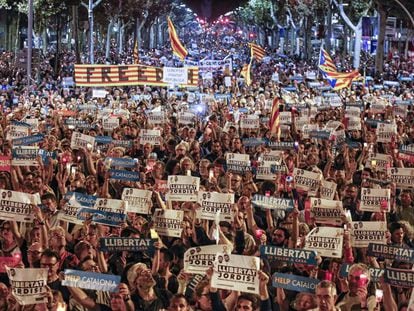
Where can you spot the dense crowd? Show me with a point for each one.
(371, 137)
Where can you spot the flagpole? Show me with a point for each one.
(319, 59)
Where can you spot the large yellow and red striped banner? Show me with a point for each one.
(122, 75)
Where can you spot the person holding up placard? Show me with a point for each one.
(243, 301)
(357, 295)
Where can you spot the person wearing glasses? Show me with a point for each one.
(49, 259)
(57, 242)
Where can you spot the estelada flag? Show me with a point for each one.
(178, 49)
(325, 61)
(274, 122)
(257, 51)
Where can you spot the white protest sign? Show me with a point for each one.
(168, 222)
(264, 170)
(197, 260)
(183, 188)
(325, 241)
(111, 205)
(354, 112)
(403, 177)
(372, 200)
(227, 81)
(215, 203)
(139, 200)
(186, 118)
(385, 132)
(236, 272)
(400, 110)
(206, 98)
(335, 101)
(25, 156)
(110, 123)
(272, 156)
(98, 93)
(17, 131)
(379, 161)
(151, 137)
(339, 137)
(311, 75)
(80, 140)
(17, 205)
(249, 122)
(365, 232)
(307, 180)
(285, 117)
(354, 124)
(307, 128)
(332, 125)
(238, 162)
(327, 189)
(68, 82)
(110, 212)
(327, 212)
(75, 202)
(207, 75)
(301, 121)
(156, 117)
(378, 107)
(33, 122)
(28, 285)
(174, 75)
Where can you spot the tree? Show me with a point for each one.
(90, 7)
(259, 13)
(358, 9)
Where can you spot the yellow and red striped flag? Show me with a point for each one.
(136, 53)
(274, 122)
(340, 80)
(257, 51)
(325, 61)
(245, 72)
(177, 47)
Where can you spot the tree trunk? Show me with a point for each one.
(160, 41)
(17, 39)
(44, 39)
(58, 45)
(308, 36)
(140, 24)
(151, 38)
(328, 36)
(108, 39)
(345, 47)
(119, 38)
(297, 52)
(379, 55)
(75, 33)
(91, 36)
(357, 44)
(276, 38)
